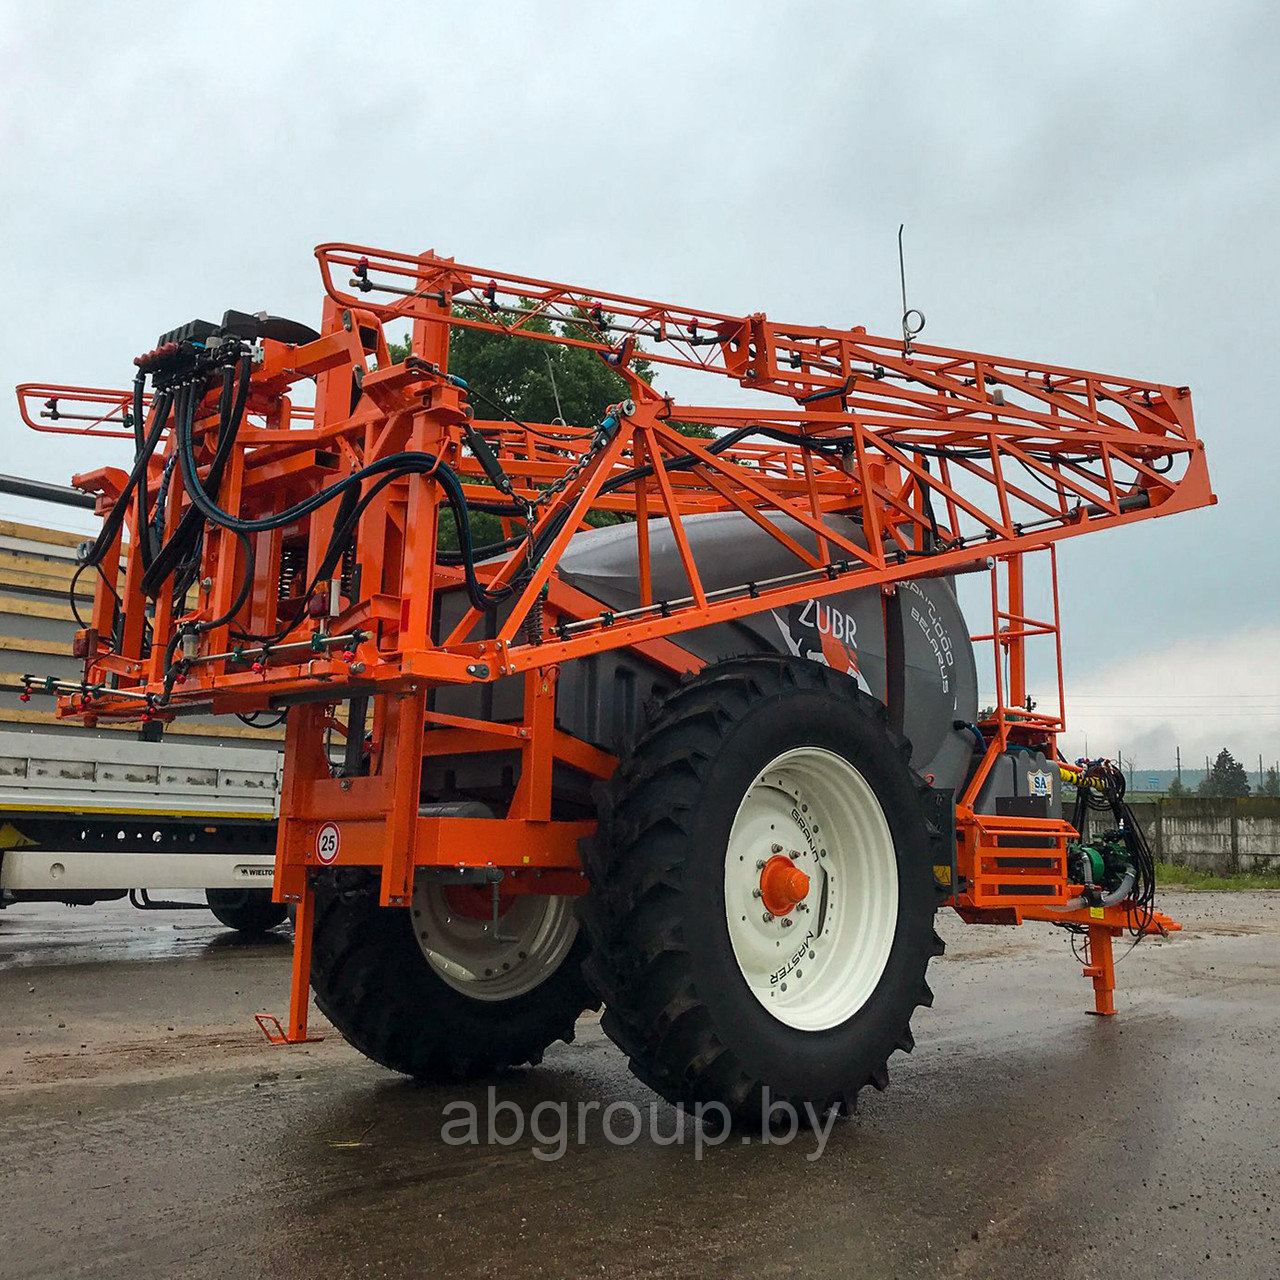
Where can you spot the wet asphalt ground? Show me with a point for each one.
(146, 1128)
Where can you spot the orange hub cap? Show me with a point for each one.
(782, 885)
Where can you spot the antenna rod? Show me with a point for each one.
(912, 318)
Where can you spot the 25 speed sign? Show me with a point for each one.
(328, 841)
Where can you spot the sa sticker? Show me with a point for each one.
(328, 840)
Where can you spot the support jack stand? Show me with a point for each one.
(276, 1034)
(300, 983)
(1101, 968)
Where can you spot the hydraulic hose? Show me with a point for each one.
(230, 415)
(139, 442)
(630, 476)
(115, 517)
(1121, 893)
(387, 469)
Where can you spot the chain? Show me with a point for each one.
(601, 438)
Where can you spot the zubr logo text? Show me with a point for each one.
(823, 633)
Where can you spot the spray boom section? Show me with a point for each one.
(274, 547)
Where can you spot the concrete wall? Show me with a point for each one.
(1220, 836)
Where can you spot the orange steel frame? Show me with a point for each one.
(951, 461)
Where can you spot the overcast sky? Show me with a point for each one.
(1094, 184)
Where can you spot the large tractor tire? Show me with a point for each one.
(249, 911)
(432, 993)
(762, 901)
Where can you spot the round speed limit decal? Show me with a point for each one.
(328, 840)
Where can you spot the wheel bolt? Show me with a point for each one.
(759, 864)
(787, 922)
(768, 917)
(757, 893)
(777, 848)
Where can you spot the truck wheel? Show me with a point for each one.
(762, 901)
(432, 993)
(250, 911)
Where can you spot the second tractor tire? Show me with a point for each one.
(374, 983)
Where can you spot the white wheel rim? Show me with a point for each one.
(529, 943)
(817, 965)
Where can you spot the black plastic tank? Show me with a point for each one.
(600, 697)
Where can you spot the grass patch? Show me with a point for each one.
(1172, 874)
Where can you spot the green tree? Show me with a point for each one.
(1226, 778)
(536, 382)
(1270, 783)
(1177, 789)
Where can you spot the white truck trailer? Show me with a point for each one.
(90, 818)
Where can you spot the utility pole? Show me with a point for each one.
(1178, 753)
(1259, 770)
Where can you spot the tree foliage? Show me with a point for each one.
(1270, 783)
(1227, 777)
(534, 382)
(1177, 789)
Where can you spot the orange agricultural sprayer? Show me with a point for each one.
(691, 728)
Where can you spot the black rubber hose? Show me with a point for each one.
(390, 468)
(264, 524)
(246, 585)
(164, 563)
(230, 416)
(139, 441)
(630, 476)
(115, 517)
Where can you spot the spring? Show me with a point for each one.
(293, 566)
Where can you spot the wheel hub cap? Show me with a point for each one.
(782, 885)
